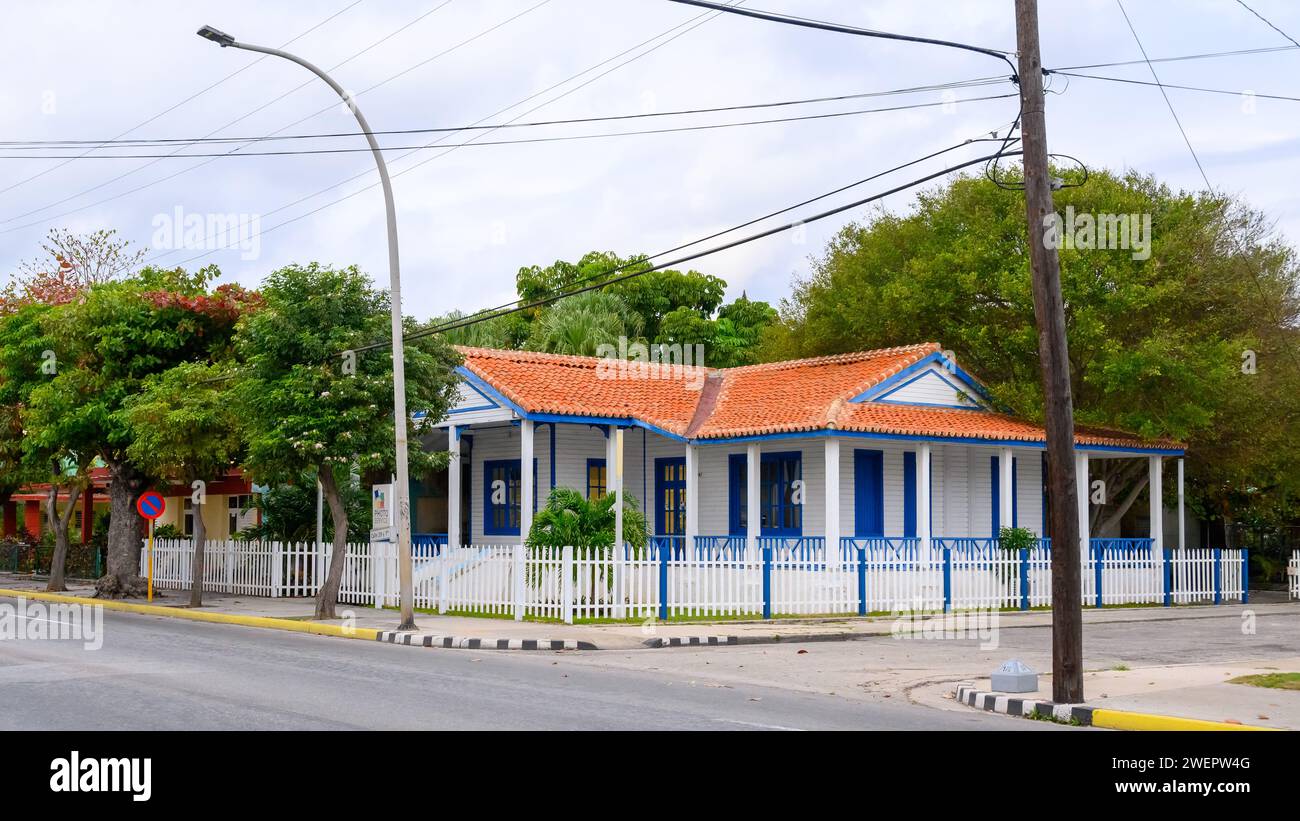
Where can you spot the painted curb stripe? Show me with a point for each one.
(266, 622)
(1125, 720)
(459, 643)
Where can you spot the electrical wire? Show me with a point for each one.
(1064, 73)
(465, 322)
(1267, 23)
(563, 138)
(193, 96)
(957, 84)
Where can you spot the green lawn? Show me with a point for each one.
(1276, 681)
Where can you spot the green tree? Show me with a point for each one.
(580, 324)
(47, 436)
(311, 403)
(1156, 345)
(109, 341)
(183, 426)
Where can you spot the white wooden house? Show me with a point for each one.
(728, 457)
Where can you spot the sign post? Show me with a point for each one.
(151, 505)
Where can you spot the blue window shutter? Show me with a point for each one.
(868, 493)
(736, 489)
(995, 514)
(909, 494)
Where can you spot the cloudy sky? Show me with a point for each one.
(470, 216)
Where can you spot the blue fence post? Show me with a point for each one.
(767, 581)
(664, 552)
(1024, 578)
(1245, 576)
(1218, 576)
(1169, 578)
(947, 579)
(862, 581)
(1097, 555)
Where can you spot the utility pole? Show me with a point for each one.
(1054, 365)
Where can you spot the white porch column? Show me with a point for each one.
(1081, 480)
(923, 497)
(1182, 521)
(453, 487)
(692, 497)
(614, 476)
(527, 490)
(832, 466)
(1006, 488)
(753, 518)
(614, 483)
(1155, 464)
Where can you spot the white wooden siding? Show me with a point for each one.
(933, 386)
(962, 484)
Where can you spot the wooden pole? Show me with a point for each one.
(1054, 362)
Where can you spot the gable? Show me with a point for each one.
(475, 405)
(935, 381)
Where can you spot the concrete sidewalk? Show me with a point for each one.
(489, 632)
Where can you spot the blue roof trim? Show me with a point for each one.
(897, 380)
(922, 375)
(484, 389)
(492, 404)
(905, 437)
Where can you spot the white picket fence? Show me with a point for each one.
(717, 580)
(1293, 575)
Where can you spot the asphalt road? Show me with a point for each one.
(154, 673)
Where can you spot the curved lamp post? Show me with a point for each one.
(401, 490)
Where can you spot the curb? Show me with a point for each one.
(1025, 707)
(1090, 716)
(264, 622)
(454, 642)
(696, 641)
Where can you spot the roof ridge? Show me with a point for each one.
(838, 358)
(546, 356)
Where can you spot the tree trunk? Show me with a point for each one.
(1133, 493)
(196, 568)
(122, 574)
(328, 595)
(59, 524)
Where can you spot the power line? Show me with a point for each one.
(807, 22)
(956, 84)
(676, 31)
(1267, 23)
(1169, 85)
(455, 324)
(563, 138)
(746, 224)
(193, 96)
(196, 166)
(1203, 56)
(1164, 94)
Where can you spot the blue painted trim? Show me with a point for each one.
(645, 490)
(772, 530)
(862, 581)
(995, 515)
(488, 466)
(664, 552)
(975, 409)
(868, 493)
(660, 486)
(884, 397)
(488, 392)
(1015, 492)
(552, 455)
(1097, 555)
(937, 357)
(907, 437)
(909, 494)
(587, 479)
(737, 474)
(767, 581)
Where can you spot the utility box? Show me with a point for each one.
(1014, 677)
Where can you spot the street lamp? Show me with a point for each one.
(401, 491)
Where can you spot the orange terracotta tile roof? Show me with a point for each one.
(778, 397)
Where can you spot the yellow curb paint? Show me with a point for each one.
(1124, 720)
(194, 615)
